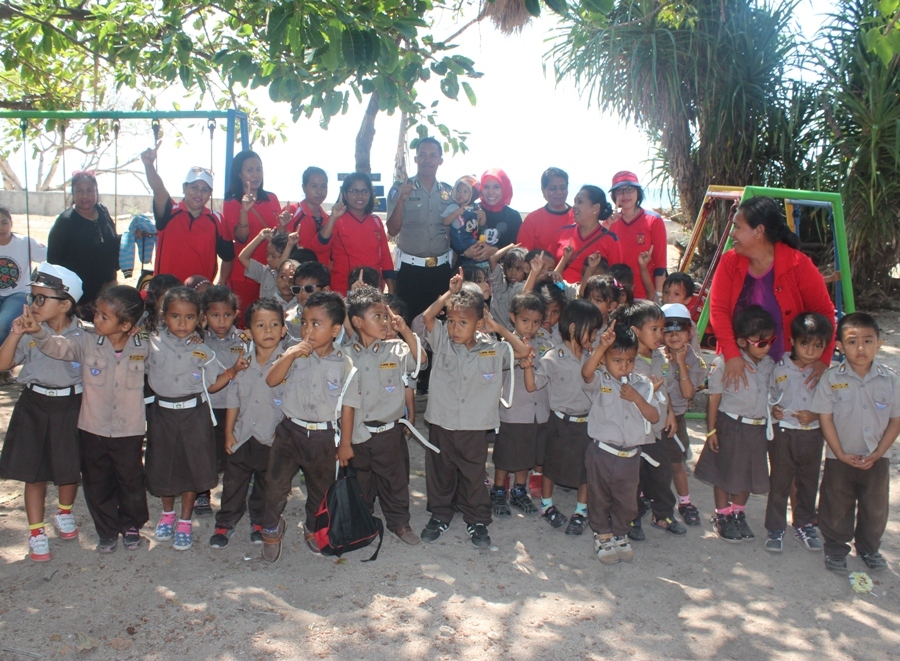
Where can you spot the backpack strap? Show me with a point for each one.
(337, 418)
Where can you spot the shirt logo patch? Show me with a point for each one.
(488, 376)
(95, 371)
(389, 366)
(840, 386)
(390, 389)
(781, 378)
(277, 402)
(606, 389)
(76, 365)
(487, 354)
(32, 343)
(641, 239)
(332, 385)
(445, 195)
(136, 357)
(196, 376)
(880, 406)
(199, 354)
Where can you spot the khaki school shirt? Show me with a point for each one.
(259, 406)
(227, 349)
(265, 276)
(380, 369)
(527, 407)
(861, 408)
(751, 401)
(113, 402)
(616, 421)
(657, 367)
(177, 369)
(423, 233)
(501, 294)
(465, 385)
(561, 373)
(314, 384)
(790, 386)
(40, 369)
(696, 368)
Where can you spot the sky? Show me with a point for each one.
(523, 123)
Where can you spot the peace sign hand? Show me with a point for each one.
(148, 156)
(249, 198)
(26, 322)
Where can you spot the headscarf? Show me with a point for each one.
(505, 186)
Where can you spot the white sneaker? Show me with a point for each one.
(604, 545)
(623, 548)
(65, 526)
(40, 548)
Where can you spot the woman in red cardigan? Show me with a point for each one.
(765, 268)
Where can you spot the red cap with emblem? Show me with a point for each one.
(624, 178)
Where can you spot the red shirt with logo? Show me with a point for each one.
(308, 226)
(263, 214)
(189, 246)
(645, 230)
(540, 228)
(356, 243)
(599, 240)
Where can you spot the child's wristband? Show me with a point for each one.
(711, 432)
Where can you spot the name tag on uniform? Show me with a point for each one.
(388, 366)
(606, 389)
(32, 343)
(199, 354)
(490, 353)
(136, 357)
(781, 378)
(237, 349)
(840, 386)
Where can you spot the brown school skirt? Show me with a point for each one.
(516, 445)
(676, 454)
(741, 463)
(567, 443)
(181, 450)
(42, 440)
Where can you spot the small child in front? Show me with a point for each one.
(623, 408)
(321, 396)
(739, 423)
(465, 390)
(252, 411)
(795, 454)
(858, 404)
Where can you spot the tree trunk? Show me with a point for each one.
(10, 180)
(366, 136)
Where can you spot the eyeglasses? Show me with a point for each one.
(762, 344)
(362, 192)
(40, 299)
(626, 189)
(309, 289)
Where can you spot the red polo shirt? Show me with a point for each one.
(540, 228)
(356, 243)
(600, 240)
(188, 246)
(645, 230)
(263, 214)
(306, 225)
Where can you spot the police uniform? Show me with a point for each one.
(181, 451)
(259, 412)
(795, 454)
(656, 481)
(305, 439)
(696, 374)
(41, 443)
(740, 464)
(502, 293)
(425, 257)
(613, 457)
(567, 435)
(551, 335)
(861, 410)
(110, 425)
(265, 276)
(462, 410)
(227, 350)
(378, 441)
(293, 334)
(523, 426)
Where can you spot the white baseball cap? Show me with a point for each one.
(677, 315)
(197, 173)
(59, 278)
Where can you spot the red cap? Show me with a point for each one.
(624, 178)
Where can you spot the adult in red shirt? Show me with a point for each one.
(765, 268)
(189, 233)
(248, 210)
(638, 229)
(540, 228)
(587, 235)
(309, 219)
(359, 238)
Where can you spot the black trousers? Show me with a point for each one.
(381, 471)
(847, 491)
(656, 481)
(250, 460)
(420, 286)
(454, 479)
(113, 483)
(795, 455)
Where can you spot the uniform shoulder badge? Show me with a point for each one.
(199, 354)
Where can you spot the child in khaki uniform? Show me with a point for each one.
(462, 409)
(321, 388)
(859, 412)
(378, 441)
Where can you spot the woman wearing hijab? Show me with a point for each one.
(500, 225)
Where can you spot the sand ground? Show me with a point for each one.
(539, 595)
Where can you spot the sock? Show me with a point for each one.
(581, 508)
(725, 510)
(538, 473)
(737, 508)
(684, 500)
(167, 517)
(37, 529)
(64, 509)
(184, 525)
(546, 502)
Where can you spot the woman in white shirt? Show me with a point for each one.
(15, 271)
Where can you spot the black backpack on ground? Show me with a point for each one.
(343, 522)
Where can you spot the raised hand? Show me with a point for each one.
(241, 363)
(537, 264)
(645, 257)
(285, 216)
(568, 251)
(608, 337)
(398, 323)
(28, 323)
(338, 209)
(456, 282)
(359, 282)
(148, 156)
(293, 239)
(267, 233)
(249, 198)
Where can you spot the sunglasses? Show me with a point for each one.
(309, 289)
(674, 328)
(762, 344)
(626, 189)
(40, 299)
(197, 170)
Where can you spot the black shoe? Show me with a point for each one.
(670, 525)
(726, 528)
(201, 505)
(131, 539)
(499, 506)
(576, 524)
(637, 531)
(433, 530)
(256, 534)
(874, 561)
(740, 522)
(690, 514)
(837, 564)
(554, 517)
(220, 539)
(520, 499)
(478, 533)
